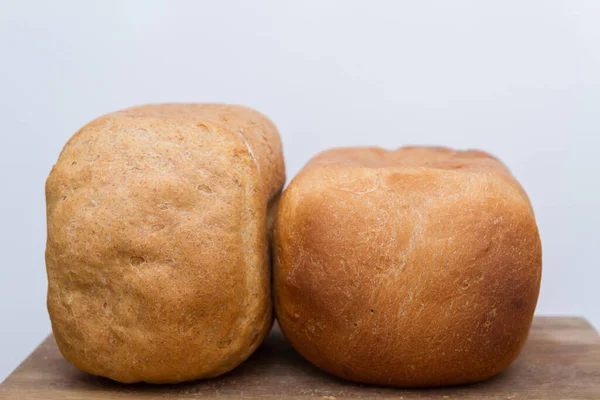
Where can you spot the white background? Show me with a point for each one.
(520, 79)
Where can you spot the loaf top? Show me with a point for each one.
(157, 253)
(432, 157)
(413, 171)
(173, 122)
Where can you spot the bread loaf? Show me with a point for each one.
(157, 253)
(415, 267)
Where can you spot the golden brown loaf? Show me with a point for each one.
(415, 267)
(157, 253)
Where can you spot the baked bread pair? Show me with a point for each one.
(413, 267)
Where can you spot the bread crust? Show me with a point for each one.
(414, 267)
(157, 252)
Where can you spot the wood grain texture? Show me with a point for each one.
(561, 360)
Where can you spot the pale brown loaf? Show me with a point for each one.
(157, 253)
(415, 267)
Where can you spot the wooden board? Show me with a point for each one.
(561, 360)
